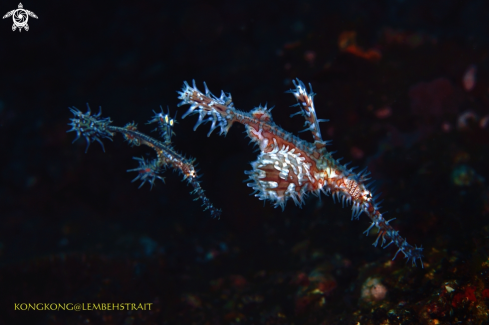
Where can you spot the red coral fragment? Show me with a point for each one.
(347, 43)
(485, 293)
(468, 295)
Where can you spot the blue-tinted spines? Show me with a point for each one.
(165, 124)
(148, 172)
(411, 253)
(92, 127)
(347, 186)
(414, 254)
(206, 203)
(205, 106)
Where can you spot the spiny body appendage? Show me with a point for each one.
(291, 168)
(165, 124)
(92, 127)
(95, 128)
(147, 171)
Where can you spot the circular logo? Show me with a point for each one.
(20, 18)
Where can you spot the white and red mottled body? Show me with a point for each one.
(289, 167)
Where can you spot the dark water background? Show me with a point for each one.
(74, 229)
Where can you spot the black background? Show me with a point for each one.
(73, 228)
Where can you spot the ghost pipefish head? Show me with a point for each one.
(165, 124)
